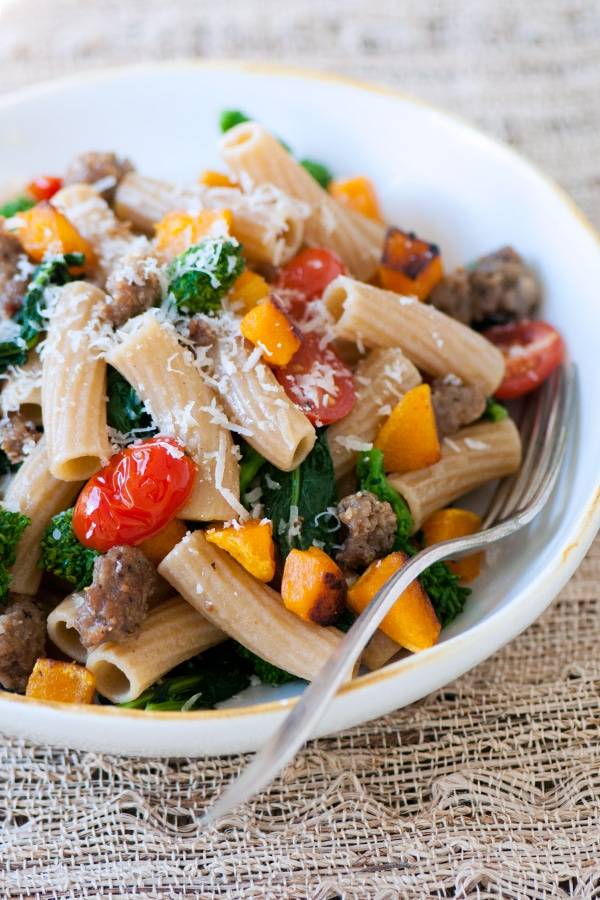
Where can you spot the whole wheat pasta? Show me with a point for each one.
(470, 457)
(379, 651)
(61, 629)
(22, 385)
(183, 406)
(251, 152)
(247, 610)
(34, 492)
(269, 224)
(74, 385)
(433, 341)
(170, 634)
(110, 238)
(381, 379)
(254, 399)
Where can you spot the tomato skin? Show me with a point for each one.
(532, 350)
(135, 495)
(44, 187)
(307, 275)
(318, 406)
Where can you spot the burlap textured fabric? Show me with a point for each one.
(489, 788)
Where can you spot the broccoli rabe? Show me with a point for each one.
(250, 465)
(124, 409)
(265, 671)
(371, 477)
(229, 118)
(31, 314)
(200, 277)
(494, 411)
(319, 172)
(19, 204)
(12, 526)
(63, 555)
(5, 464)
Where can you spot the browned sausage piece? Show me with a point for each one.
(115, 605)
(12, 284)
(200, 332)
(18, 436)
(456, 404)
(133, 287)
(22, 641)
(371, 525)
(94, 167)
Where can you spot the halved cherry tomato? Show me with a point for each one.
(135, 495)
(532, 351)
(308, 274)
(318, 382)
(44, 187)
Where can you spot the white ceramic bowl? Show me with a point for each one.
(436, 175)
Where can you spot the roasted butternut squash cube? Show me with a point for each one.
(155, 548)
(250, 543)
(43, 230)
(247, 290)
(453, 522)
(61, 681)
(211, 178)
(268, 326)
(412, 621)
(409, 265)
(313, 586)
(358, 194)
(408, 438)
(180, 230)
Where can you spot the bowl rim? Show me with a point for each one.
(584, 530)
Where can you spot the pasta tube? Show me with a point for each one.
(471, 457)
(381, 379)
(255, 400)
(379, 651)
(22, 385)
(247, 610)
(250, 151)
(269, 224)
(433, 341)
(74, 385)
(34, 492)
(182, 405)
(61, 629)
(170, 634)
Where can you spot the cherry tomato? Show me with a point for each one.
(318, 382)
(135, 495)
(308, 274)
(532, 351)
(44, 187)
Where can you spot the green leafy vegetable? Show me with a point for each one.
(298, 502)
(229, 118)
(124, 410)
(12, 526)
(5, 464)
(251, 464)
(199, 683)
(319, 172)
(447, 595)
(19, 204)
(202, 275)
(63, 555)
(371, 476)
(494, 411)
(268, 673)
(31, 314)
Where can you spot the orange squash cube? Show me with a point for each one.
(412, 621)
(180, 230)
(267, 324)
(445, 524)
(62, 681)
(211, 178)
(155, 548)
(408, 438)
(409, 265)
(43, 230)
(247, 290)
(358, 194)
(250, 543)
(313, 586)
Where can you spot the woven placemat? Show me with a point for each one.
(487, 788)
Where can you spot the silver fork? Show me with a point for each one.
(516, 502)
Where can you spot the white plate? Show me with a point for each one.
(436, 175)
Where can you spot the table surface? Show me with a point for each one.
(487, 788)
